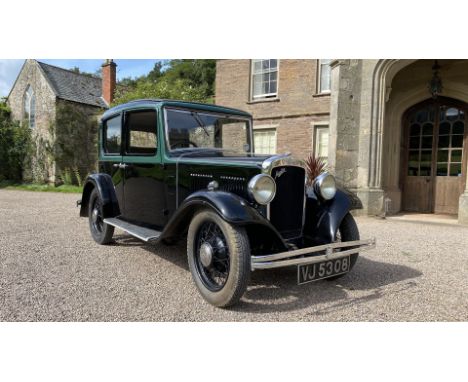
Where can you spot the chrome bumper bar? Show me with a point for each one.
(309, 255)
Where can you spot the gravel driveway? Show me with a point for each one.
(51, 270)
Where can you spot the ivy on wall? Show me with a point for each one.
(75, 140)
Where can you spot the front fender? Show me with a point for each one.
(231, 207)
(103, 183)
(323, 218)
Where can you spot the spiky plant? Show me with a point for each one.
(314, 167)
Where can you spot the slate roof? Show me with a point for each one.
(71, 86)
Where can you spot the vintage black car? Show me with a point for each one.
(171, 169)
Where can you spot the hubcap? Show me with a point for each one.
(95, 215)
(206, 254)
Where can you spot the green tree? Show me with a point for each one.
(188, 80)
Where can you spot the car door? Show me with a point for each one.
(110, 153)
(144, 198)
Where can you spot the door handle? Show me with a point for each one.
(121, 165)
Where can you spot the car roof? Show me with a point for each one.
(174, 103)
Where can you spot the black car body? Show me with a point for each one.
(170, 169)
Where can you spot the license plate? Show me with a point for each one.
(312, 272)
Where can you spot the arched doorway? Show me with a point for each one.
(433, 165)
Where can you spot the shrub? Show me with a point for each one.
(15, 145)
(314, 167)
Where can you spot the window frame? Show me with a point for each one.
(317, 126)
(319, 77)
(104, 136)
(266, 96)
(126, 131)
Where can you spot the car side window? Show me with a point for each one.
(112, 136)
(141, 138)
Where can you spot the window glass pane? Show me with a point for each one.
(325, 76)
(457, 140)
(444, 128)
(415, 130)
(452, 114)
(442, 156)
(321, 142)
(458, 128)
(141, 127)
(414, 156)
(425, 169)
(265, 141)
(414, 142)
(422, 116)
(455, 169)
(413, 169)
(426, 155)
(112, 138)
(442, 169)
(444, 141)
(426, 142)
(427, 129)
(456, 156)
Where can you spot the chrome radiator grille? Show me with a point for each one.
(287, 208)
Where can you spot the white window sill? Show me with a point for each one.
(262, 100)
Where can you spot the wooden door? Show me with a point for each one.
(435, 165)
(450, 161)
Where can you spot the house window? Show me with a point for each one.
(30, 107)
(324, 77)
(264, 79)
(265, 141)
(321, 142)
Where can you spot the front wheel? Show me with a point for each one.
(348, 231)
(219, 258)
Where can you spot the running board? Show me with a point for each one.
(142, 233)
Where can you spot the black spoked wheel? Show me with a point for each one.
(212, 256)
(101, 232)
(348, 231)
(219, 258)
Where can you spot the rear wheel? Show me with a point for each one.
(101, 232)
(348, 231)
(219, 258)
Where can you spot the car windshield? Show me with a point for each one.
(192, 130)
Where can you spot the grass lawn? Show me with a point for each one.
(9, 185)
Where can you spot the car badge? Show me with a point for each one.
(280, 172)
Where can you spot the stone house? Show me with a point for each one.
(392, 130)
(61, 107)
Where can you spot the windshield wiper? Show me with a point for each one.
(200, 123)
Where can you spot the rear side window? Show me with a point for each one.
(112, 136)
(141, 136)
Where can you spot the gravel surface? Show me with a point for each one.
(51, 270)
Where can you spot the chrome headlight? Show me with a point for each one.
(325, 186)
(262, 188)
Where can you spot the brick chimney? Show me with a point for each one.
(108, 80)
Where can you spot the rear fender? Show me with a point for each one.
(103, 183)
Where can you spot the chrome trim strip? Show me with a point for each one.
(284, 259)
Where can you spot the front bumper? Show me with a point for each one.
(310, 255)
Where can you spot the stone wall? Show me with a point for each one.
(41, 168)
(293, 112)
